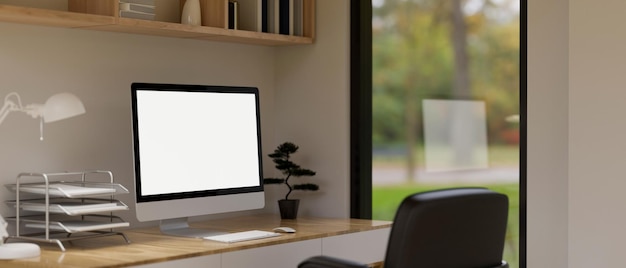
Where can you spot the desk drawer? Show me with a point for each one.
(276, 256)
(202, 261)
(364, 247)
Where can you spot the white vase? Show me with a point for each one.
(191, 13)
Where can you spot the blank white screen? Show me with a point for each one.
(194, 141)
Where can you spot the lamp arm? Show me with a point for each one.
(33, 110)
(6, 109)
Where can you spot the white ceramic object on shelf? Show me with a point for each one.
(191, 13)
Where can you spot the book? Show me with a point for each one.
(263, 16)
(247, 15)
(298, 18)
(254, 15)
(233, 15)
(140, 2)
(137, 8)
(285, 17)
(136, 15)
(271, 16)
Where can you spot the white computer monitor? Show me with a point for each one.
(197, 151)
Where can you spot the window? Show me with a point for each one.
(438, 101)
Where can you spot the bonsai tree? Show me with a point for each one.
(280, 157)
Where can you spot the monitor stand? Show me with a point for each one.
(180, 227)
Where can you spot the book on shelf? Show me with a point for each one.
(140, 2)
(137, 8)
(298, 18)
(269, 16)
(250, 15)
(290, 17)
(272, 16)
(233, 15)
(285, 14)
(262, 17)
(136, 15)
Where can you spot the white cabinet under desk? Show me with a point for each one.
(359, 240)
(364, 247)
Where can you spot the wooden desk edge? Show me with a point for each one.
(149, 246)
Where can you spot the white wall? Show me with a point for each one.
(597, 131)
(313, 109)
(97, 66)
(547, 157)
(576, 134)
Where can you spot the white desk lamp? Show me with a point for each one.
(15, 250)
(58, 107)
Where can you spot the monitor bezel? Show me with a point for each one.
(141, 198)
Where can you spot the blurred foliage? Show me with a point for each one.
(413, 60)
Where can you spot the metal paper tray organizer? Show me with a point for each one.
(66, 206)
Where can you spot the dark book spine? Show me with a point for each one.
(231, 15)
(265, 18)
(283, 17)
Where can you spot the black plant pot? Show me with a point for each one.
(288, 208)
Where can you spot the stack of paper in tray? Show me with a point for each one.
(137, 9)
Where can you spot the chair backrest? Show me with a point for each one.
(450, 228)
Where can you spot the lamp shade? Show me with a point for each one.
(61, 106)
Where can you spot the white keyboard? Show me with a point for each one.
(241, 236)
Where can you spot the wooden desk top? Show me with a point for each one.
(149, 246)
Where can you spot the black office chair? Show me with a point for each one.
(450, 228)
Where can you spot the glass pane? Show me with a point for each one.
(446, 101)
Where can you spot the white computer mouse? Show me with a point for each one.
(284, 230)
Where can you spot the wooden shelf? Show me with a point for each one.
(54, 18)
